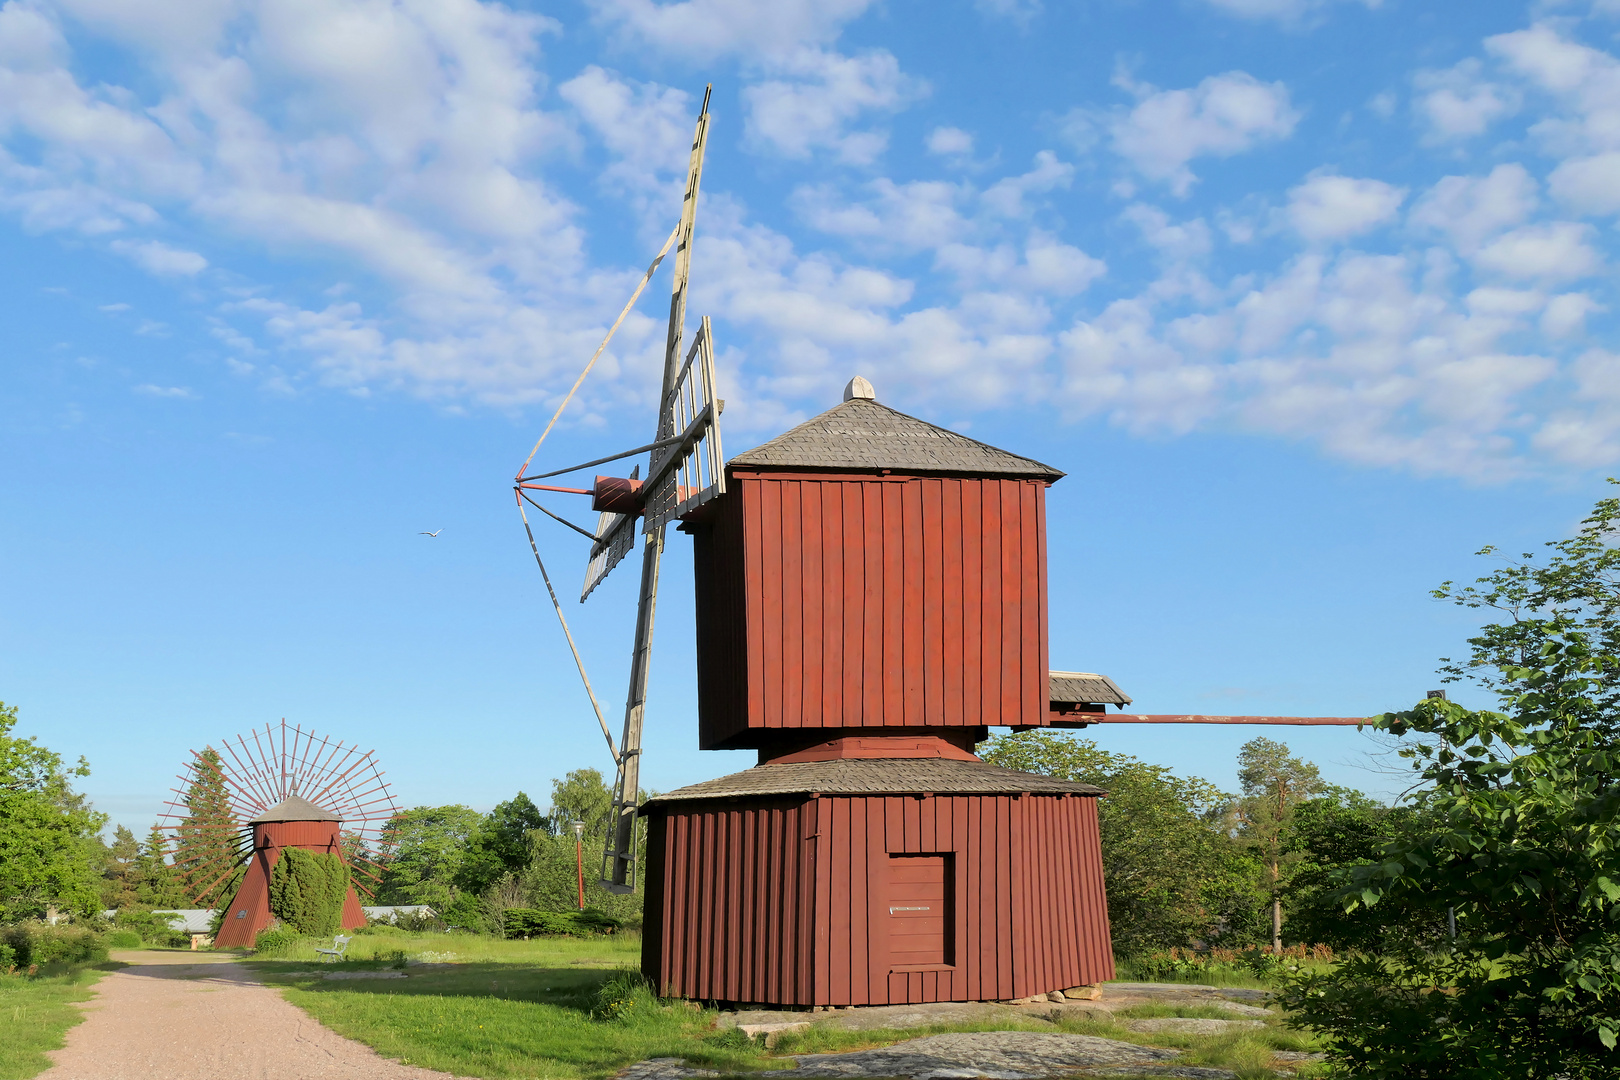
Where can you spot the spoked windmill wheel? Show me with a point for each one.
(242, 805)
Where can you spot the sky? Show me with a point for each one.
(1310, 299)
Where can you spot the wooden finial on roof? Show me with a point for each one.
(859, 388)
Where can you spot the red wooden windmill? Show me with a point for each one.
(871, 600)
(285, 787)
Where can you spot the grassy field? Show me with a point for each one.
(565, 1008)
(36, 1012)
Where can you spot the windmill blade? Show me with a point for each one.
(690, 472)
(615, 536)
(619, 856)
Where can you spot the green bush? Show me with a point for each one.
(152, 927)
(625, 993)
(528, 922)
(8, 958)
(41, 943)
(276, 942)
(124, 939)
(307, 890)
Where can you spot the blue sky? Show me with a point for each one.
(1310, 299)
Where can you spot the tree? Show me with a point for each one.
(1337, 829)
(118, 889)
(1521, 841)
(208, 842)
(582, 795)
(307, 890)
(47, 831)
(500, 845)
(156, 884)
(1174, 876)
(423, 850)
(1274, 784)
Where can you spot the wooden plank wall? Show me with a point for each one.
(729, 912)
(786, 904)
(871, 601)
(1030, 910)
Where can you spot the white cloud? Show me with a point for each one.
(1460, 102)
(820, 95)
(182, 393)
(647, 127)
(157, 258)
(1019, 11)
(1328, 207)
(1469, 210)
(1007, 196)
(710, 28)
(1179, 241)
(1588, 185)
(1221, 116)
(950, 142)
(1556, 251)
(1285, 11)
(911, 217)
(1565, 316)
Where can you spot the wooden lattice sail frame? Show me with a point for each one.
(260, 771)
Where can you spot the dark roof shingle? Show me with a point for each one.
(295, 808)
(862, 434)
(1084, 688)
(876, 776)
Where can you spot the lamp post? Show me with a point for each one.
(579, 859)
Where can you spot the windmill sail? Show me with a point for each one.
(615, 536)
(678, 415)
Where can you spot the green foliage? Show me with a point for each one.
(531, 922)
(124, 939)
(47, 831)
(307, 890)
(38, 943)
(208, 842)
(1174, 876)
(625, 993)
(581, 795)
(500, 844)
(1522, 840)
(152, 927)
(277, 941)
(1274, 783)
(551, 880)
(156, 885)
(423, 850)
(118, 871)
(1577, 591)
(1336, 830)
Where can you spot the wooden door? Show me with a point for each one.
(920, 915)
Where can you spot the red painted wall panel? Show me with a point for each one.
(863, 601)
(786, 902)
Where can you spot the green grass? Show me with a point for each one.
(385, 947)
(518, 1010)
(36, 1012)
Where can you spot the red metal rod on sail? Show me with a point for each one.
(549, 487)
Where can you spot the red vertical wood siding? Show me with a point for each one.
(253, 895)
(864, 601)
(786, 902)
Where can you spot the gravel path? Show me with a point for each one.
(180, 1016)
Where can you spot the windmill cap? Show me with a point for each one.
(294, 808)
(859, 388)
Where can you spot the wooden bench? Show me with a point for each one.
(340, 945)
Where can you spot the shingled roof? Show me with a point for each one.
(1084, 688)
(876, 776)
(862, 434)
(294, 808)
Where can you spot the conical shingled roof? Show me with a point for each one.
(862, 434)
(294, 808)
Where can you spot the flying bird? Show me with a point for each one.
(435, 532)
